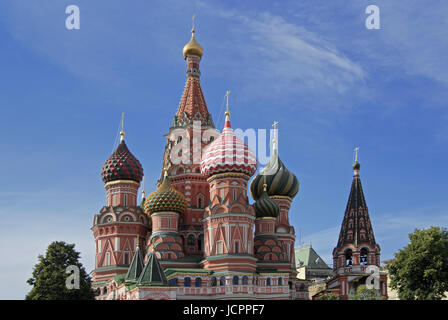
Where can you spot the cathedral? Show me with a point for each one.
(197, 236)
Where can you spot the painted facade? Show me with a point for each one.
(197, 236)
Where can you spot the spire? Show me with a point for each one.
(356, 227)
(192, 106)
(136, 267)
(356, 165)
(152, 274)
(274, 140)
(227, 113)
(122, 133)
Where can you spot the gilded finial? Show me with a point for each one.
(192, 47)
(143, 188)
(138, 240)
(122, 127)
(274, 140)
(227, 105)
(165, 172)
(265, 186)
(356, 165)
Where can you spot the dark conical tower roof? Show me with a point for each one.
(136, 267)
(152, 274)
(356, 227)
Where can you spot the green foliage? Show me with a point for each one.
(362, 293)
(328, 296)
(420, 270)
(49, 275)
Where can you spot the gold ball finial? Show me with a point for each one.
(265, 186)
(192, 48)
(165, 172)
(122, 134)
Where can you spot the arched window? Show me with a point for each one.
(172, 282)
(213, 281)
(245, 280)
(197, 282)
(190, 240)
(199, 202)
(348, 257)
(187, 282)
(363, 257)
(222, 281)
(280, 281)
(235, 280)
(234, 194)
(268, 281)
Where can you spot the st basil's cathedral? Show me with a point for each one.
(197, 236)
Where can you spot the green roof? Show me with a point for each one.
(152, 274)
(170, 271)
(119, 278)
(136, 267)
(307, 257)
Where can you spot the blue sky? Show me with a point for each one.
(311, 65)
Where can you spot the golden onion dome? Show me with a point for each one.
(192, 47)
(165, 198)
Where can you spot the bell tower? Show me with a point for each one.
(356, 255)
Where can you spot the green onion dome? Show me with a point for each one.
(165, 198)
(280, 181)
(265, 206)
(356, 165)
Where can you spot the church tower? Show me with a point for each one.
(357, 255)
(191, 131)
(228, 164)
(164, 207)
(121, 222)
(281, 186)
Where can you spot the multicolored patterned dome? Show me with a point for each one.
(228, 153)
(165, 198)
(280, 181)
(122, 165)
(265, 206)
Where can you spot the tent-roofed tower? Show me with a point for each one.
(186, 138)
(356, 254)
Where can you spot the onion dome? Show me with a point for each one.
(228, 153)
(165, 198)
(265, 206)
(356, 165)
(192, 48)
(122, 165)
(280, 181)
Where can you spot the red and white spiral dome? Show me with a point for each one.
(228, 153)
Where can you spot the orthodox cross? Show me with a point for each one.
(275, 124)
(356, 154)
(122, 127)
(227, 100)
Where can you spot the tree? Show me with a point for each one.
(362, 293)
(49, 275)
(328, 296)
(420, 270)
